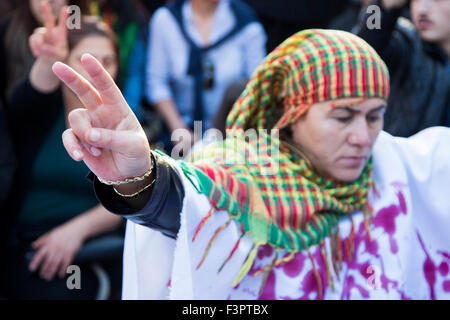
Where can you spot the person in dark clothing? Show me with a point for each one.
(418, 58)
(7, 169)
(283, 18)
(16, 58)
(52, 206)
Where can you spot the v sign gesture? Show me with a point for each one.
(50, 42)
(107, 126)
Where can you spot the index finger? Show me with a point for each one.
(47, 12)
(87, 94)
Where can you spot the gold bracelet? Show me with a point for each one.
(127, 180)
(136, 193)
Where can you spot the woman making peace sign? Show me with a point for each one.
(331, 207)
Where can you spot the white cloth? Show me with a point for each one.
(168, 56)
(409, 257)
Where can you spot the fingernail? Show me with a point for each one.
(77, 154)
(95, 152)
(95, 135)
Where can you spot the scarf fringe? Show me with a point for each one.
(231, 253)
(276, 264)
(336, 253)
(212, 241)
(335, 247)
(367, 222)
(202, 223)
(266, 273)
(316, 276)
(327, 266)
(247, 264)
(350, 241)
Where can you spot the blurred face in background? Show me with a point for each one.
(56, 5)
(337, 136)
(432, 19)
(101, 48)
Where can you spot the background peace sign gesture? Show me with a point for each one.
(50, 42)
(106, 125)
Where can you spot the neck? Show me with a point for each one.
(446, 46)
(204, 8)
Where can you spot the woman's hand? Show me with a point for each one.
(105, 134)
(49, 43)
(56, 250)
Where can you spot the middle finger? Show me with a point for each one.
(87, 94)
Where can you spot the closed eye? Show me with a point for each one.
(344, 119)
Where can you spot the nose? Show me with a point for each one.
(421, 6)
(360, 134)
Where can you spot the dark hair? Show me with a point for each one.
(93, 26)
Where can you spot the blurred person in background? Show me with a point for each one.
(283, 18)
(196, 50)
(129, 20)
(418, 56)
(6, 8)
(16, 58)
(54, 209)
(7, 168)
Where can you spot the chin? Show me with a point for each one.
(347, 175)
(429, 36)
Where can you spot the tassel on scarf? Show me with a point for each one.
(316, 276)
(231, 253)
(277, 264)
(202, 223)
(247, 264)
(367, 216)
(336, 255)
(327, 266)
(266, 273)
(350, 241)
(212, 241)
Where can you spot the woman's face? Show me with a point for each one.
(98, 46)
(56, 5)
(337, 136)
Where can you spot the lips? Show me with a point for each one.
(353, 162)
(424, 24)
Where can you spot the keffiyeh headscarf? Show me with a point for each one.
(273, 193)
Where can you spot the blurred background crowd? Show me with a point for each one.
(176, 62)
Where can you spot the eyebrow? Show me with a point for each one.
(356, 111)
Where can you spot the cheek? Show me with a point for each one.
(35, 10)
(112, 70)
(442, 15)
(321, 142)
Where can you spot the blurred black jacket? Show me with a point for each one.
(283, 18)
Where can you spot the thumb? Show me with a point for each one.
(129, 143)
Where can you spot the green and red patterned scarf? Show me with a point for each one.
(255, 177)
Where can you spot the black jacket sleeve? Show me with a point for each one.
(390, 46)
(32, 113)
(162, 211)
